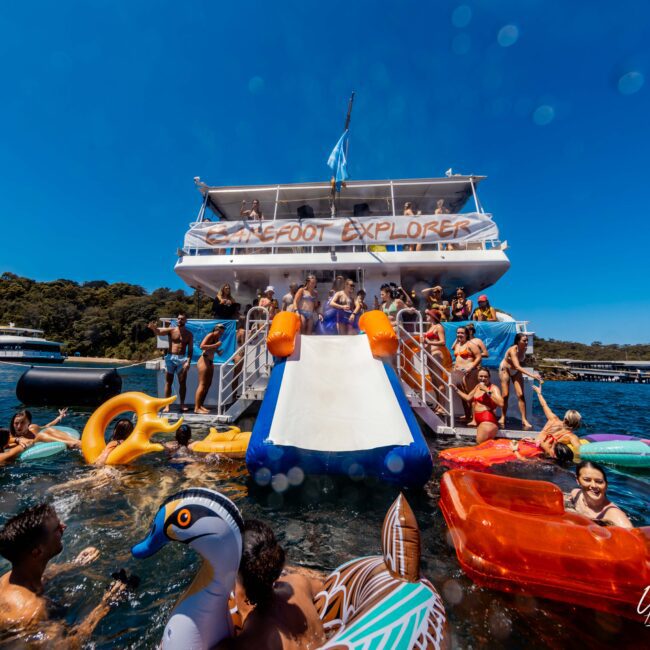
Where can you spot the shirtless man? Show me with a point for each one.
(287, 299)
(278, 611)
(179, 357)
(29, 541)
(343, 302)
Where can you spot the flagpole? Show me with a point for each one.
(348, 117)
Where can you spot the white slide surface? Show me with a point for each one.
(335, 396)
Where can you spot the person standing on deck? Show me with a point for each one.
(288, 298)
(179, 357)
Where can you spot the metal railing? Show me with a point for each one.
(249, 363)
(415, 362)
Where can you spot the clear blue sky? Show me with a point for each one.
(110, 108)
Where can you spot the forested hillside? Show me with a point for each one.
(552, 349)
(93, 318)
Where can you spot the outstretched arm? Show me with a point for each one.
(545, 407)
(57, 420)
(159, 331)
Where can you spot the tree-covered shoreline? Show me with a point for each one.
(95, 319)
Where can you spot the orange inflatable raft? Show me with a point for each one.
(514, 535)
(490, 452)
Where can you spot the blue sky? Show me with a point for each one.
(109, 109)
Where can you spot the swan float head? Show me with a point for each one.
(211, 524)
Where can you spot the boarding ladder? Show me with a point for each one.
(245, 374)
(416, 367)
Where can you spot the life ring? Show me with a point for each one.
(384, 601)
(137, 444)
(232, 443)
(41, 450)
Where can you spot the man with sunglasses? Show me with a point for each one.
(29, 541)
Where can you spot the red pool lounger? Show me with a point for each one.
(490, 452)
(514, 535)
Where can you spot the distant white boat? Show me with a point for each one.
(27, 345)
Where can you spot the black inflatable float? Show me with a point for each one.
(46, 386)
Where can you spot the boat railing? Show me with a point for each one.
(250, 364)
(422, 375)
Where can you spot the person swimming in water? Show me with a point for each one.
(121, 431)
(283, 614)
(9, 451)
(29, 540)
(21, 426)
(590, 499)
(181, 446)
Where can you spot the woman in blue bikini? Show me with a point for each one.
(306, 304)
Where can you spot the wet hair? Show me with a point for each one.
(4, 437)
(24, 532)
(563, 453)
(122, 430)
(12, 427)
(519, 336)
(586, 464)
(261, 562)
(183, 435)
(572, 419)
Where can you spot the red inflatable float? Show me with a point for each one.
(490, 452)
(514, 535)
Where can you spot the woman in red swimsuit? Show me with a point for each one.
(486, 397)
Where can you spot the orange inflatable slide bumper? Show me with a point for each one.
(380, 333)
(514, 535)
(490, 452)
(281, 340)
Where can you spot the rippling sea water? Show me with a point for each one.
(321, 524)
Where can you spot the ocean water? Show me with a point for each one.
(322, 524)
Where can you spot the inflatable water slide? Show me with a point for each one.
(334, 405)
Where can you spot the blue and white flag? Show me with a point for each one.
(338, 161)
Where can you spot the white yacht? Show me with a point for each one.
(27, 345)
(414, 232)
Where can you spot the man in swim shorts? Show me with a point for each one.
(29, 541)
(179, 357)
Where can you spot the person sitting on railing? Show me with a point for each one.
(210, 346)
(461, 306)
(224, 304)
(485, 398)
(288, 298)
(435, 344)
(306, 304)
(343, 302)
(434, 299)
(468, 359)
(484, 311)
(269, 302)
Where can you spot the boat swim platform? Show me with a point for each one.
(196, 419)
(470, 432)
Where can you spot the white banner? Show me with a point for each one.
(343, 231)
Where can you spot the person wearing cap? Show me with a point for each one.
(269, 302)
(484, 311)
(434, 300)
(210, 346)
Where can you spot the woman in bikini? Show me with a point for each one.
(461, 307)
(436, 345)
(468, 359)
(390, 303)
(343, 302)
(305, 303)
(485, 398)
(210, 345)
(590, 499)
(511, 369)
(21, 426)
